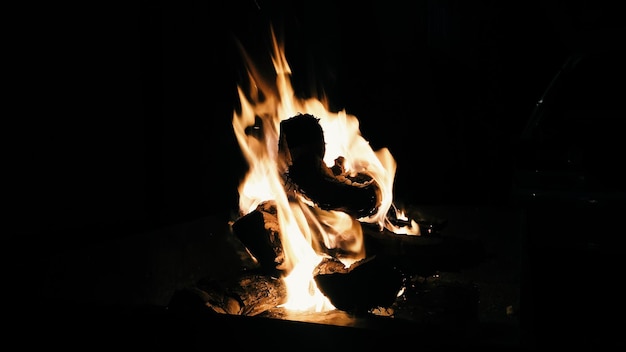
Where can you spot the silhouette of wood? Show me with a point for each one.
(302, 147)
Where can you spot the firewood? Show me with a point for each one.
(302, 146)
(423, 255)
(259, 232)
(260, 293)
(365, 285)
(250, 295)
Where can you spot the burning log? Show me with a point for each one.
(259, 232)
(367, 284)
(302, 145)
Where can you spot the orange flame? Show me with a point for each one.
(300, 222)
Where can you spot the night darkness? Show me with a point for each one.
(121, 118)
(126, 110)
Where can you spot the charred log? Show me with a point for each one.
(367, 284)
(445, 300)
(250, 295)
(260, 234)
(259, 293)
(302, 145)
(423, 255)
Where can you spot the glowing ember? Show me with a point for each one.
(305, 228)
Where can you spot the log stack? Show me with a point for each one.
(368, 284)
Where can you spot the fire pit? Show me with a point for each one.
(319, 235)
(409, 288)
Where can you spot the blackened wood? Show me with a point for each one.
(260, 234)
(423, 255)
(365, 285)
(445, 300)
(260, 293)
(250, 295)
(302, 146)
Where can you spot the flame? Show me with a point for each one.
(304, 228)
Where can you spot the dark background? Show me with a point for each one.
(118, 119)
(121, 111)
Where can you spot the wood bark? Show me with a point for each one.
(249, 295)
(259, 232)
